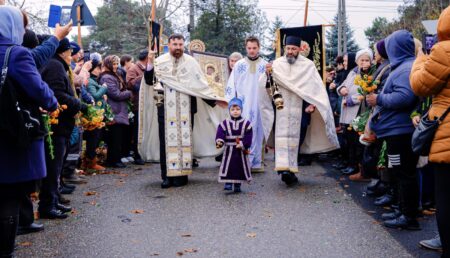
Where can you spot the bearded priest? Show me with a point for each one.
(305, 101)
(174, 89)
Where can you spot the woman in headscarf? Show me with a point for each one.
(20, 166)
(118, 96)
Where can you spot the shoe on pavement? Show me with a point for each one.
(384, 200)
(403, 222)
(52, 214)
(432, 244)
(74, 179)
(32, 228)
(63, 208)
(237, 188)
(130, 159)
(391, 215)
(124, 160)
(228, 187)
(166, 183)
(139, 161)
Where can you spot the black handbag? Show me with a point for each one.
(424, 134)
(20, 120)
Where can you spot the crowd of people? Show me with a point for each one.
(376, 99)
(409, 85)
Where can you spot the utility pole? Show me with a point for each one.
(191, 17)
(339, 24)
(342, 28)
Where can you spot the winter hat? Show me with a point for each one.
(76, 48)
(235, 102)
(366, 51)
(64, 45)
(96, 60)
(30, 39)
(381, 48)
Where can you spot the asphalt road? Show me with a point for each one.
(127, 214)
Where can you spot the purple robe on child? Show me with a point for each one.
(235, 167)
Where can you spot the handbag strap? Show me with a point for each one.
(5, 68)
(444, 115)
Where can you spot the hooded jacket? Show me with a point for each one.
(397, 100)
(431, 76)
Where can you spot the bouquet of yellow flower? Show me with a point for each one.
(49, 120)
(93, 118)
(366, 82)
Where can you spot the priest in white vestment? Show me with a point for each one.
(244, 84)
(304, 94)
(170, 133)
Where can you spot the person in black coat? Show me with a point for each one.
(57, 75)
(42, 52)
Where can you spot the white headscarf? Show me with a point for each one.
(366, 51)
(11, 25)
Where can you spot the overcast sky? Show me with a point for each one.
(360, 13)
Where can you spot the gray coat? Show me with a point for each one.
(349, 111)
(117, 98)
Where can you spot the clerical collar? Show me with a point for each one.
(253, 58)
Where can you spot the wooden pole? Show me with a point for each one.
(150, 29)
(79, 25)
(306, 13)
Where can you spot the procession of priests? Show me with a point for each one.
(180, 113)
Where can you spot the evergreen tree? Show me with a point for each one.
(332, 40)
(277, 24)
(121, 28)
(224, 25)
(376, 32)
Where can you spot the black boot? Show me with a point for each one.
(166, 183)
(403, 222)
(384, 200)
(289, 178)
(8, 230)
(391, 215)
(237, 188)
(179, 181)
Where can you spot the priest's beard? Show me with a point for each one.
(177, 53)
(291, 58)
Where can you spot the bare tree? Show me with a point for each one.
(36, 22)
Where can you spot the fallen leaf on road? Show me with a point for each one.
(25, 244)
(137, 211)
(120, 183)
(251, 194)
(154, 254)
(74, 212)
(251, 235)
(180, 253)
(387, 208)
(90, 193)
(93, 203)
(122, 175)
(186, 235)
(190, 250)
(302, 189)
(376, 222)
